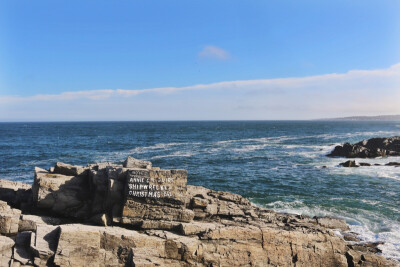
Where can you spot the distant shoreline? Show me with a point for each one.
(365, 118)
(352, 118)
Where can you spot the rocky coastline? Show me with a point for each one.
(371, 148)
(136, 214)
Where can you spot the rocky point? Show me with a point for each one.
(138, 215)
(371, 148)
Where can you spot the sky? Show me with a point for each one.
(198, 60)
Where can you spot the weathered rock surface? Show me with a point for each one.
(16, 194)
(9, 219)
(182, 226)
(371, 148)
(136, 163)
(6, 250)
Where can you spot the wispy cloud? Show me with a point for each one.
(357, 92)
(214, 52)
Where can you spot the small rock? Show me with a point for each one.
(197, 202)
(131, 162)
(67, 169)
(349, 163)
(393, 164)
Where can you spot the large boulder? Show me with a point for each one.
(61, 194)
(44, 243)
(78, 246)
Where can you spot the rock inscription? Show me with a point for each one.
(141, 185)
(156, 194)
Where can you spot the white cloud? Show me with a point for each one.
(214, 52)
(357, 92)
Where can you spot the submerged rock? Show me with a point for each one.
(371, 148)
(150, 217)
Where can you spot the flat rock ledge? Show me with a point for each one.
(371, 148)
(139, 215)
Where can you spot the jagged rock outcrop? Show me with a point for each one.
(371, 148)
(155, 219)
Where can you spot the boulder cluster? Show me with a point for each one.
(371, 148)
(139, 215)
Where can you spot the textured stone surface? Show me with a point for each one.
(136, 163)
(44, 243)
(6, 250)
(61, 194)
(333, 223)
(9, 219)
(30, 222)
(78, 246)
(201, 227)
(157, 186)
(69, 170)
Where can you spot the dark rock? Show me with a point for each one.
(393, 164)
(365, 164)
(16, 194)
(372, 148)
(349, 163)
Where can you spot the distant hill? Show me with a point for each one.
(367, 118)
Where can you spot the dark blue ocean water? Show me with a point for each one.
(276, 164)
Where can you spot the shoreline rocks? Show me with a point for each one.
(371, 148)
(139, 215)
(353, 163)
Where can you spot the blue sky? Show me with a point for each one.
(86, 60)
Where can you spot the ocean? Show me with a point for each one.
(279, 165)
